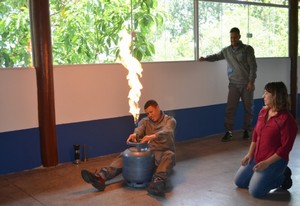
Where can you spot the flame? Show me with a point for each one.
(134, 72)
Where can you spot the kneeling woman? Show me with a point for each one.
(265, 165)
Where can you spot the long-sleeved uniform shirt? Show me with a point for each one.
(277, 135)
(164, 130)
(241, 63)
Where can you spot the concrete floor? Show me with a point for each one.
(203, 176)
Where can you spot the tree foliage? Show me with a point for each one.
(266, 25)
(87, 31)
(14, 34)
(83, 31)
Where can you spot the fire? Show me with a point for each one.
(134, 72)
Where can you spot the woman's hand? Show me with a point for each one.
(261, 166)
(246, 160)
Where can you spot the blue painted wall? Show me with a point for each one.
(21, 149)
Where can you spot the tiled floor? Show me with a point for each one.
(203, 176)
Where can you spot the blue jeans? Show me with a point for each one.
(261, 182)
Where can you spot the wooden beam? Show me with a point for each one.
(42, 61)
(293, 53)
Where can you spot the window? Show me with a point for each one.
(279, 2)
(87, 31)
(174, 41)
(15, 47)
(263, 27)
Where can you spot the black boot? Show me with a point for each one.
(157, 186)
(95, 179)
(288, 182)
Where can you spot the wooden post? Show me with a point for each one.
(293, 53)
(42, 61)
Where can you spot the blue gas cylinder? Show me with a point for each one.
(138, 164)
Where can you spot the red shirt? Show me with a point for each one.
(277, 135)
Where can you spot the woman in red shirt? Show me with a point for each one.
(265, 165)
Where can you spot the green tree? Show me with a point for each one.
(14, 34)
(83, 31)
(87, 31)
(267, 24)
(175, 41)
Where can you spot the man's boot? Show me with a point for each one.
(93, 178)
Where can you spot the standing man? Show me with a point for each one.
(241, 71)
(158, 130)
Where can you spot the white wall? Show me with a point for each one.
(90, 92)
(18, 99)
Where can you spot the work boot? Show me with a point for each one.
(95, 179)
(288, 182)
(227, 137)
(246, 135)
(157, 186)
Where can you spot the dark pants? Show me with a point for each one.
(235, 93)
